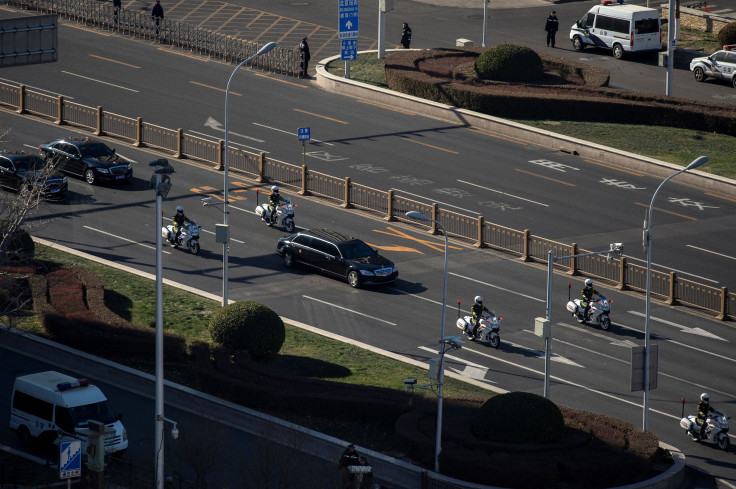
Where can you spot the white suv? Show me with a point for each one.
(721, 65)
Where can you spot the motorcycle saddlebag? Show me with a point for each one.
(571, 306)
(461, 323)
(686, 423)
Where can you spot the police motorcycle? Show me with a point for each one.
(188, 239)
(716, 429)
(283, 217)
(488, 331)
(599, 314)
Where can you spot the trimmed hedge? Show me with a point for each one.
(591, 101)
(249, 326)
(509, 62)
(543, 421)
(727, 35)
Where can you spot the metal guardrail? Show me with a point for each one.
(666, 286)
(170, 31)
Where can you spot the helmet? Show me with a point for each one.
(179, 209)
(704, 397)
(275, 189)
(588, 282)
(478, 298)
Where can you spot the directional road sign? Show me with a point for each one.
(348, 19)
(303, 134)
(349, 51)
(70, 459)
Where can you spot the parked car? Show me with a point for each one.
(338, 255)
(20, 172)
(720, 65)
(88, 158)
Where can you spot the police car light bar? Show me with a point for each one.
(62, 386)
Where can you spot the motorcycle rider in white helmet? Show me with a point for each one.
(588, 292)
(179, 219)
(477, 313)
(273, 201)
(704, 408)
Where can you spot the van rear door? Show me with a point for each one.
(646, 34)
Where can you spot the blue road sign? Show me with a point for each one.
(347, 19)
(349, 51)
(304, 134)
(70, 459)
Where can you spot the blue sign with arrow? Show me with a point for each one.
(348, 19)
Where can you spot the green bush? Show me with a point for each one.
(249, 326)
(727, 35)
(519, 417)
(509, 62)
(20, 245)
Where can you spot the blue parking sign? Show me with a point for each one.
(70, 459)
(349, 51)
(347, 19)
(304, 134)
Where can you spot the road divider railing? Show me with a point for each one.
(389, 204)
(139, 24)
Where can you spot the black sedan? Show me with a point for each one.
(338, 255)
(22, 172)
(85, 157)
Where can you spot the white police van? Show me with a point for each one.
(620, 28)
(48, 405)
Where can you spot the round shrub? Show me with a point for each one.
(509, 62)
(727, 35)
(249, 326)
(20, 246)
(519, 417)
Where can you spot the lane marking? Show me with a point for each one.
(124, 239)
(545, 177)
(86, 29)
(711, 252)
(611, 167)
(381, 106)
(431, 200)
(37, 89)
(280, 80)
(291, 133)
(504, 193)
(717, 196)
(348, 310)
(215, 124)
(406, 138)
(196, 58)
(464, 277)
(115, 61)
(498, 136)
(214, 88)
(98, 81)
(667, 212)
(684, 329)
(700, 277)
(320, 116)
(231, 143)
(435, 245)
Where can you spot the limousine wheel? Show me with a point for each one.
(578, 43)
(618, 51)
(354, 279)
(89, 175)
(288, 259)
(24, 436)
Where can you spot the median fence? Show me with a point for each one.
(175, 33)
(390, 205)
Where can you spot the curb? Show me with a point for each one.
(515, 131)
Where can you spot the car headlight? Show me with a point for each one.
(130, 166)
(102, 170)
(366, 272)
(63, 179)
(394, 269)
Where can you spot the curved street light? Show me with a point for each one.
(441, 374)
(648, 245)
(225, 209)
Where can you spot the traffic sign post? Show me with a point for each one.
(304, 136)
(347, 20)
(70, 460)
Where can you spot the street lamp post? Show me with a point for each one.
(161, 184)
(441, 372)
(701, 160)
(225, 209)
